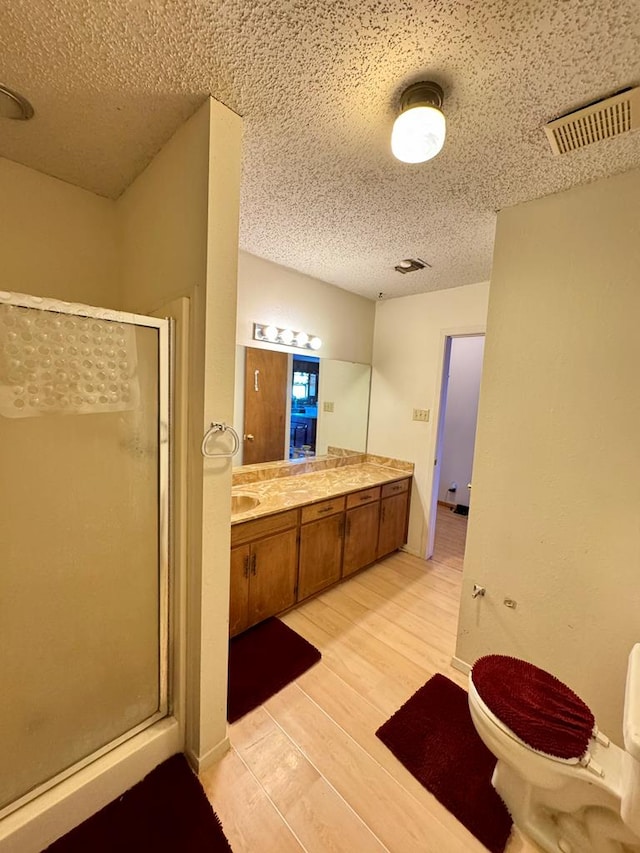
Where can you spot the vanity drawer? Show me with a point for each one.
(322, 509)
(249, 530)
(366, 496)
(395, 488)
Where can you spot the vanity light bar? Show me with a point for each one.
(287, 337)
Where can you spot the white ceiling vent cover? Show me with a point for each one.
(602, 120)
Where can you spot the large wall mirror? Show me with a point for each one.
(289, 406)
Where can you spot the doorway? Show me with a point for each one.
(305, 378)
(455, 443)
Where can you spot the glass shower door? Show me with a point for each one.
(83, 535)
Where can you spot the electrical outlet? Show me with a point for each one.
(327, 406)
(421, 414)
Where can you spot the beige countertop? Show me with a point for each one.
(276, 495)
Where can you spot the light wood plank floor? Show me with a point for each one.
(306, 771)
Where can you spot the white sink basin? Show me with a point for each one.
(243, 503)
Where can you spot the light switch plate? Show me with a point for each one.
(421, 414)
(327, 406)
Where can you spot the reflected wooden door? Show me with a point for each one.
(265, 405)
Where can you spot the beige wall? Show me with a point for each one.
(179, 223)
(57, 240)
(407, 369)
(270, 293)
(559, 426)
(219, 313)
(162, 221)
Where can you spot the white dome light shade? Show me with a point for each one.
(270, 333)
(418, 134)
(286, 336)
(302, 339)
(315, 343)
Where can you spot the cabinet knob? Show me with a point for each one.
(248, 437)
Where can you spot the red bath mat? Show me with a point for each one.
(167, 812)
(433, 736)
(262, 661)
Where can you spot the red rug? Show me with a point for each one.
(165, 813)
(434, 737)
(262, 661)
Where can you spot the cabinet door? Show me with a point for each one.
(239, 591)
(272, 584)
(320, 554)
(361, 538)
(393, 520)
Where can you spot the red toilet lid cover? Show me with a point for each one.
(537, 707)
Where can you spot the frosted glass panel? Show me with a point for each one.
(79, 539)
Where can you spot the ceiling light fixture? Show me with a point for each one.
(13, 105)
(419, 131)
(286, 337)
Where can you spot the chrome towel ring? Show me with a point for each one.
(213, 430)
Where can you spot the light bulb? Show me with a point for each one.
(418, 134)
(315, 343)
(286, 336)
(270, 333)
(302, 339)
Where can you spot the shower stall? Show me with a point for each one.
(84, 455)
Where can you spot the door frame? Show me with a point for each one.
(435, 448)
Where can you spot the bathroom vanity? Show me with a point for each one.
(312, 525)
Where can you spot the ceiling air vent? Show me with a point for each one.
(602, 120)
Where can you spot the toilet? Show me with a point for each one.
(567, 787)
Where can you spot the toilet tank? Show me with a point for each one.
(631, 720)
(630, 806)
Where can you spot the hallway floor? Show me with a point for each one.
(306, 771)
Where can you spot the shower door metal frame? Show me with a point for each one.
(164, 440)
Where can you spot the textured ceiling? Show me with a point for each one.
(318, 85)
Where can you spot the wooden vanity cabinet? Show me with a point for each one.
(361, 530)
(264, 568)
(321, 538)
(394, 511)
(280, 559)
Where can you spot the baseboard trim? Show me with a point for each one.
(412, 551)
(201, 763)
(460, 665)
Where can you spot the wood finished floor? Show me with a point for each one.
(306, 771)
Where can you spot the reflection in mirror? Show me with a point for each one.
(303, 423)
(328, 401)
